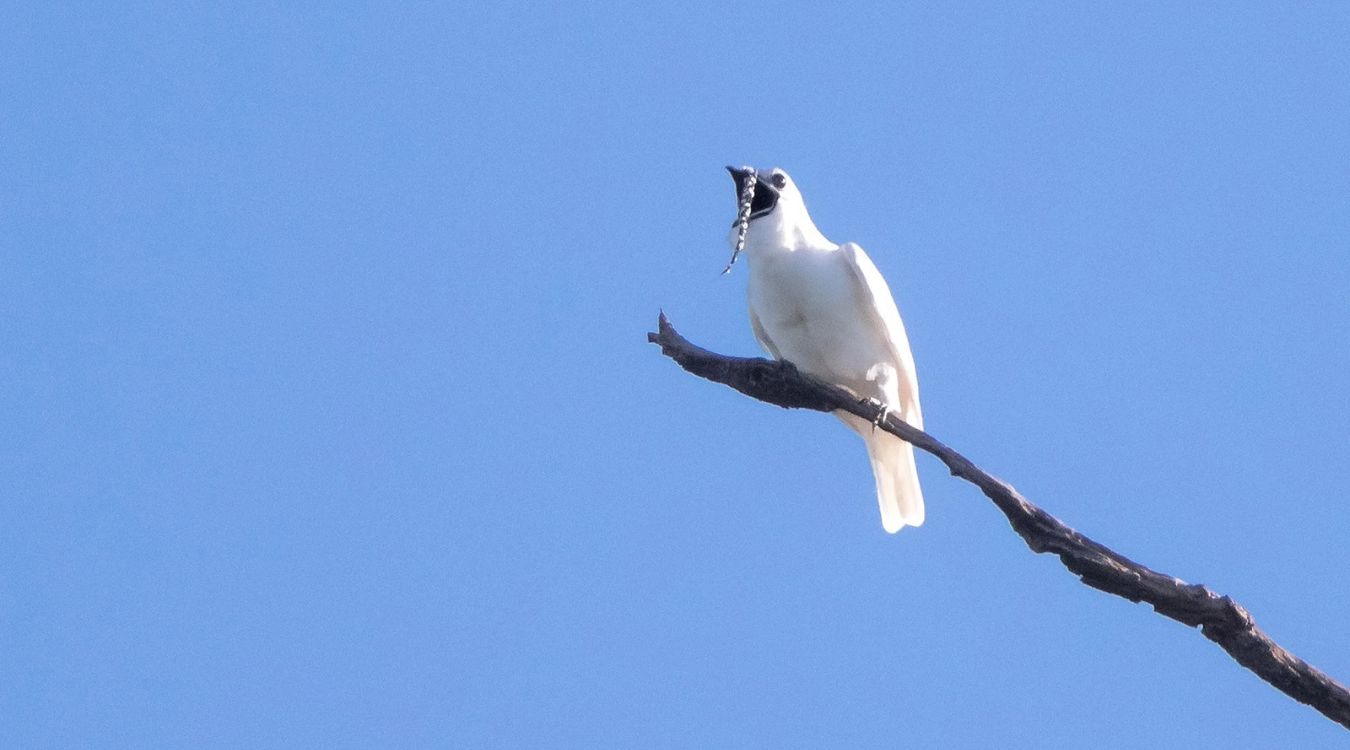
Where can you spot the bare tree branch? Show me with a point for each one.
(1221, 619)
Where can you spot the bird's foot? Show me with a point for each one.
(883, 411)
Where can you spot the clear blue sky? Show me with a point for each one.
(327, 418)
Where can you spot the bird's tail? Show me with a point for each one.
(897, 477)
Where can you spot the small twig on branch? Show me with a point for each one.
(1221, 619)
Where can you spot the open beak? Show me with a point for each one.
(765, 198)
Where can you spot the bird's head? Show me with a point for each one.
(778, 214)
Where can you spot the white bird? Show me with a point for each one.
(826, 309)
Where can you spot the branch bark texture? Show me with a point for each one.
(1219, 618)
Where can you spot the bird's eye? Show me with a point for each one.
(779, 180)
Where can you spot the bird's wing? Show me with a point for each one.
(761, 336)
(877, 306)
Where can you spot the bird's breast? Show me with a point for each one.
(806, 303)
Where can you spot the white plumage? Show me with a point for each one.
(826, 309)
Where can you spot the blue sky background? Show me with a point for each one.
(327, 419)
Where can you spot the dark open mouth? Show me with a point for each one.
(764, 201)
(765, 198)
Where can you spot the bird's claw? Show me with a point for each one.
(883, 412)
